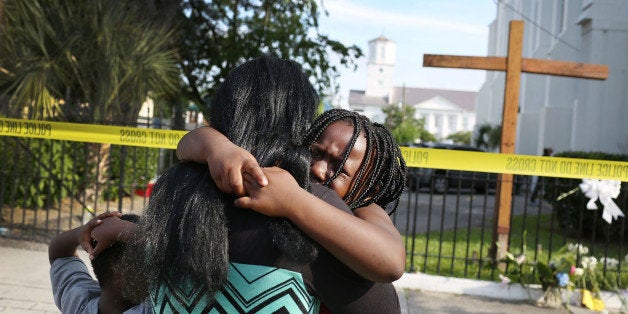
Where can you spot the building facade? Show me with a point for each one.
(559, 112)
(445, 111)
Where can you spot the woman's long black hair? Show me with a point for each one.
(381, 177)
(266, 106)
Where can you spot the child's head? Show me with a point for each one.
(357, 158)
(106, 264)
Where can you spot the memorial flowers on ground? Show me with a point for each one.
(574, 275)
(571, 273)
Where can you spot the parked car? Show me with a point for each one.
(443, 180)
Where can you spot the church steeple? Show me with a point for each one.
(380, 67)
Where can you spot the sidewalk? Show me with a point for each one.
(25, 288)
(24, 278)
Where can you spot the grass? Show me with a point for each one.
(464, 253)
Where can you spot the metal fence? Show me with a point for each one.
(48, 186)
(451, 233)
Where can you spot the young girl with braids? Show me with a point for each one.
(355, 157)
(365, 243)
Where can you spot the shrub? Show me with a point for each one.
(130, 168)
(41, 172)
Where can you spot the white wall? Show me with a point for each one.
(565, 113)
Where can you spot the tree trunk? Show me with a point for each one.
(98, 161)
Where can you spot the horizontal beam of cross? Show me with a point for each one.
(537, 66)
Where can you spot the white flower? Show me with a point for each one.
(609, 262)
(578, 272)
(592, 263)
(520, 259)
(581, 249)
(589, 262)
(584, 262)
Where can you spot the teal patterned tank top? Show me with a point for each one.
(249, 289)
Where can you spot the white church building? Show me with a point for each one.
(559, 112)
(445, 111)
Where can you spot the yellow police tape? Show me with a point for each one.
(515, 164)
(91, 133)
(415, 157)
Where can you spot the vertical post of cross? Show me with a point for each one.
(503, 193)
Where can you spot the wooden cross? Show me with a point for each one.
(514, 64)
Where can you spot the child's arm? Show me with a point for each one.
(66, 243)
(226, 160)
(367, 241)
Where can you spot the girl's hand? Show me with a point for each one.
(227, 161)
(227, 165)
(85, 239)
(277, 198)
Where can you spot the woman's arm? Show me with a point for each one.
(226, 160)
(367, 242)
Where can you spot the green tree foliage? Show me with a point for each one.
(98, 60)
(404, 126)
(494, 137)
(481, 136)
(215, 36)
(83, 60)
(462, 137)
(487, 136)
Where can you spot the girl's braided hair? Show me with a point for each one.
(381, 177)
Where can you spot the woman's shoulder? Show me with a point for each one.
(328, 195)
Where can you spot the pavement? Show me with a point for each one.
(25, 288)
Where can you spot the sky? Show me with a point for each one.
(452, 27)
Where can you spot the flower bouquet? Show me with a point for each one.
(560, 279)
